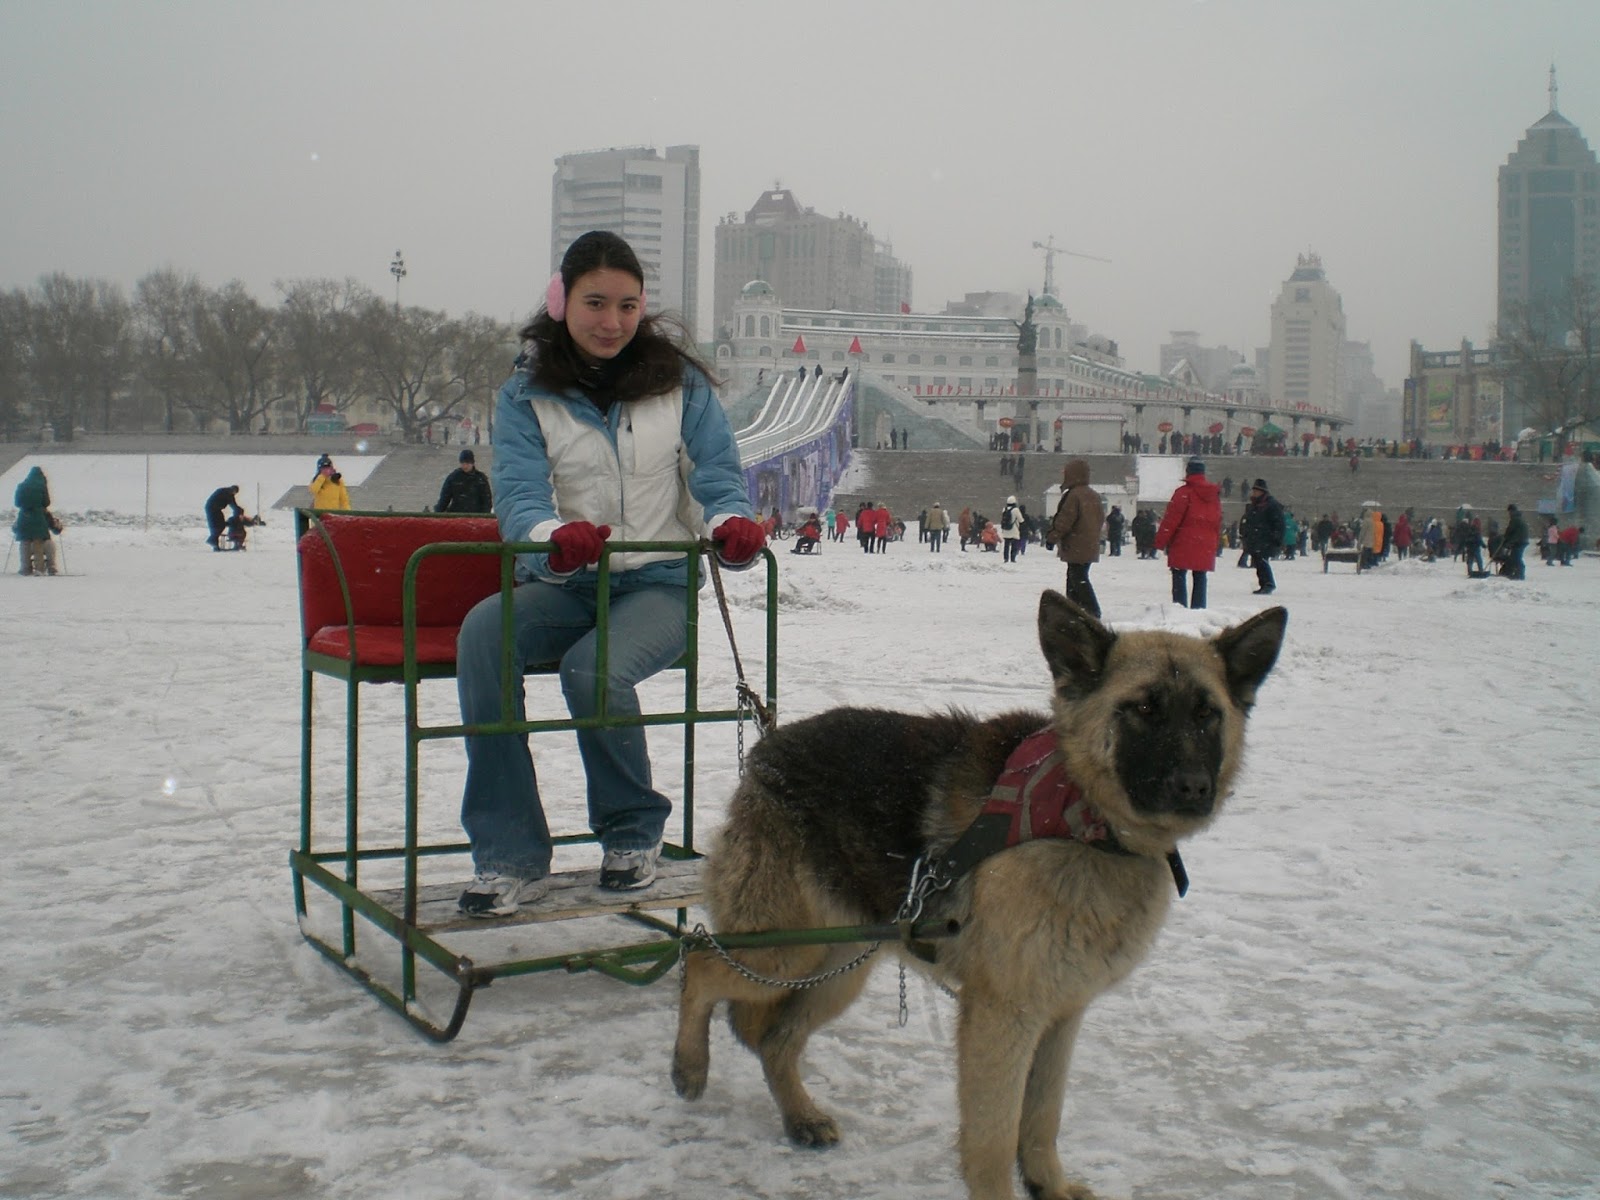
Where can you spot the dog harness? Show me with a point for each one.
(1035, 798)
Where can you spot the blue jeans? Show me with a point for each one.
(500, 809)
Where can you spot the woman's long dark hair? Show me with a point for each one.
(649, 365)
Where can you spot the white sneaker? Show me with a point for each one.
(627, 870)
(494, 895)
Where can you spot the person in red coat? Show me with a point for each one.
(1402, 536)
(882, 523)
(1189, 532)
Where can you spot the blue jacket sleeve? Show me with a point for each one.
(521, 475)
(716, 480)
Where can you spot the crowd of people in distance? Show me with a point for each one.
(1191, 532)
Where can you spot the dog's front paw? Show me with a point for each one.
(812, 1129)
(689, 1078)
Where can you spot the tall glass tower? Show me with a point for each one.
(1549, 216)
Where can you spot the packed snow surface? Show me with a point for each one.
(1382, 983)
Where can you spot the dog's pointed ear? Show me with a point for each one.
(1075, 645)
(1248, 651)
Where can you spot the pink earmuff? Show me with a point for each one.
(555, 298)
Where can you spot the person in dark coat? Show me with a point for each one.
(1190, 531)
(1143, 528)
(219, 500)
(1115, 522)
(1512, 543)
(466, 489)
(1261, 530)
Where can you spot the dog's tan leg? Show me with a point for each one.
(1041, 1115)
(781, 1033)
(995, 1044)
(691, 1056)
(707, 980)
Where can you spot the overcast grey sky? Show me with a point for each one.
(1198, 145)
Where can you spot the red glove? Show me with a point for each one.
(578, 543)
(739, 539)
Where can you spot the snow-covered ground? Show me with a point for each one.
(1382, 984)
(173, 485)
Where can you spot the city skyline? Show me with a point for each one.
(1200, 147)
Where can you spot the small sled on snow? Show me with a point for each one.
(382, 596)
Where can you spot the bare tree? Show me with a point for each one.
(74, 348)
(1553, 350)
(479, 357)
(113, 334)
(15, 400)
(236, 346)
(319, 335)
(423, 364)
(167, 355)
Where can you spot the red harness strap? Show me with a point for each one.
(1038, 798)
(1034, 798)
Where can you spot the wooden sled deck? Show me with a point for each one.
(572, 894)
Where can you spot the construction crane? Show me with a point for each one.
(1050, 251)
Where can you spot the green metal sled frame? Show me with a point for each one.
(398, 912)
(337, 869)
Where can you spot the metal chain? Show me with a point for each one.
(764, 721)
(701, 934)
(738, 725)
(905, 1010)
(925, 880)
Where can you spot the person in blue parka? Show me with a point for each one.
(33, 525)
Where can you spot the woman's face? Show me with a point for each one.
(603, 312)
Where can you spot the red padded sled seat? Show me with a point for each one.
(370, 552)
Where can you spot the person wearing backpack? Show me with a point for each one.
(1010, 528)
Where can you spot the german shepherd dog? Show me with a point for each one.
(834, 810)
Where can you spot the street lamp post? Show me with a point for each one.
(398, 269)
